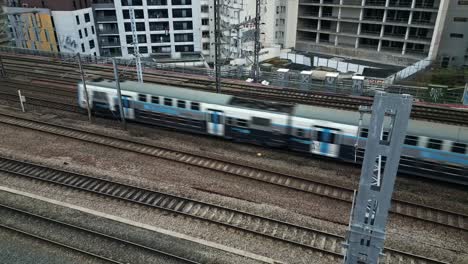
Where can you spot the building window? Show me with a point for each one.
(138, 14)
(456, 35)
(143, 50)
(91, 44)
(183, 37)
(87, 18)
(141, 39)
(140, 26)
(183, 25)
(82, 47)
(134, 3)
(181, 2)
(463, 2)
(158, 13)
(86, 32)
(77, 20)
(460, 19)
(180, 103)
(92, 30)
(184, 48)
(205, 22)
(79, 33)
(182, 13)
(168, 101)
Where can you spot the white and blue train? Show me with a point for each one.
(432, 150)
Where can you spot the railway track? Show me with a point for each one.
(404, 208)
(91, 252)
(15, 65)
(313, 239)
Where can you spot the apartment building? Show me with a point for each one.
(393, 31)
(53, 25)
(32, 28)
(170, 27)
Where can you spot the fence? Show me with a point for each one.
(289, 79)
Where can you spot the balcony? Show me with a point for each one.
(105, 42)
(106, 19)
(104, 6)
(107, 31)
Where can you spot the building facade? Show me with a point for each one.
(76, 32)
(53, 25)
(32, 28)
(168, 27)
(453, 47)
(237, 23)
(394, 31)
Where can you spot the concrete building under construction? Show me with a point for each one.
(397, 32)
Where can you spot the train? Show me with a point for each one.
(431, 150)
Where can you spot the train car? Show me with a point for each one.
(431, 150)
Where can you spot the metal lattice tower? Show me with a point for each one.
(365, 239)
(136, 49)
(217, 32)
(257, 45)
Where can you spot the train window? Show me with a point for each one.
(142, 97)
(155, 99)
(300, 132)
(195, 106)
(364, 132)
(434, 143)
(168, 101)
(458, 148)
(411, 140)
(229, 120)
(258, 121)
(180, 103)
(241, 122)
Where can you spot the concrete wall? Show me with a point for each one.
(361, 54)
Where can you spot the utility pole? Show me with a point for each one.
(366, 235)
(83, 80)
(257, 46)
(136, 49)
(217, 32)
(119, 94)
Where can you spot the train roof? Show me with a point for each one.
(166, 91)
(416, 127)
